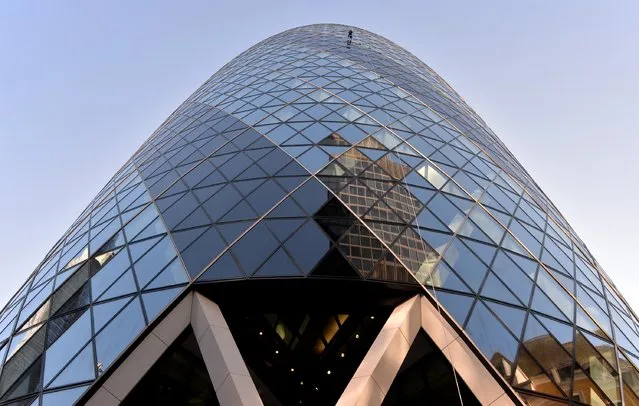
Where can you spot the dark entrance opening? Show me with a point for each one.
(179, 377)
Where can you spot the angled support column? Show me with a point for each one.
(380, 366)
(230, 376)
(228, 372)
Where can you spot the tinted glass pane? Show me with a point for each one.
(492, 338)
(118, 334)
(64, 397)
(68, 344)
(153, 261)
(80, 369)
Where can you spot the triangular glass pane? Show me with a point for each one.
(311, 196)
(155, 228)
(469, 229)
(314, 159)
(104, 312)
(28, 383)
(202, 251)
(109, 273)
(184, 238)
(528, 266)
(485, 252)
(240, 211)
(426, 219)
(548, 352)
(254, 248)
(334, 139)
(147, 267)
(446, 212)
(416, 180)
(590, 394)
(174, 274)
(561, 331)
(230, 231)
(512, 317)
(308, 245)
(69, 343)
(439, 241)
(224, 268)
(509, 243)
(605, 348)
(372, 154)
(283, 228)
(118, 334)
(196, 219)
(466, 264)
(530, 376)
(388, 268)
(584, 321)
(279, 264)
(492, 338)
(123, 286)
(288, 208)
(334, 169)
(382, 212)
(140, 248)
(154, 302)
(334, 151)
(334, 218)
(441, 277)
(63, 397)
(602, 373)
(361, 248)
(494, 289)
(80, 369)
(334, 265)
(512, 276)
(457, 305)
(370, 142)
(556, 293)
(543, 304)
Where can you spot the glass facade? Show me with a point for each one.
(317, 158)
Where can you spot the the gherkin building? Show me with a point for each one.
(324, 221)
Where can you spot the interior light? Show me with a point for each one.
(342, 355)
(292, 369)
(356, 335)
(277, 351)
(328, 372)
(261, 333)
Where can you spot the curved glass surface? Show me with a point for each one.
(314, 156)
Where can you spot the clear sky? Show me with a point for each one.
(84, 83)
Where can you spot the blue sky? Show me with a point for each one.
(83, 84)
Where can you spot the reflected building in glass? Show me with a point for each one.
(324, 221)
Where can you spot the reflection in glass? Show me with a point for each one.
(495, 342)
(118, 334)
